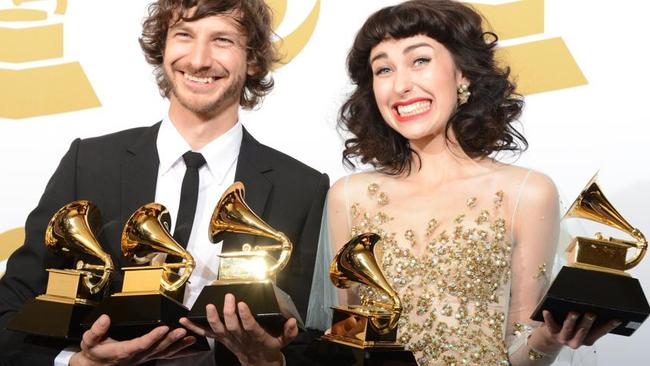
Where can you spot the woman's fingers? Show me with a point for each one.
(600, 331)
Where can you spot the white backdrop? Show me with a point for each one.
(572, 132)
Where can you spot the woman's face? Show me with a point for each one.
(415, 82)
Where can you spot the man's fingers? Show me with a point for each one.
(192, 327)
(170, 338)
(97, 332)
(108, 349)
(249, 323)
(141, 344)
(217, 326)
(178, 349)
(230, 318)
(290, 331)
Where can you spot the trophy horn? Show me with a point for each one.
(232, 214)
(146, 234)
(356, 262)
(73, 230)
(592, 204)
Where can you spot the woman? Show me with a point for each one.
(468, 242)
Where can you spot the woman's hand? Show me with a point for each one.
(550, 336)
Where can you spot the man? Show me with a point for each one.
(211, 57)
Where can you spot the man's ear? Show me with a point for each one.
(252, 69)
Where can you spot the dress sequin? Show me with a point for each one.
(454, 292)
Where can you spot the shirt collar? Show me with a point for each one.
(220, 154)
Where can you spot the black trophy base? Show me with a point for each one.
(606, 295)
(136, 315)
(50, 319)
(270, 305)
(324, 353)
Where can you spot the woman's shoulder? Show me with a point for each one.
(528, 185)
(355, 188)
(357, 182)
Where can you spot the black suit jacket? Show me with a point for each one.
(118, 173)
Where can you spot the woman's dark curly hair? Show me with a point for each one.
(254, 18)
(481, 126)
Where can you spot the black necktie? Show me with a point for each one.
(189, 197)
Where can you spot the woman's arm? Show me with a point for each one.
(536, 229)
(338, 218)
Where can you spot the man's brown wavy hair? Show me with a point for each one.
(481, 126)
(254, 18)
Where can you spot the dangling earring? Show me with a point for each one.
(463, 94)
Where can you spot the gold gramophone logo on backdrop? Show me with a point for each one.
(539, 66)
(31, 32)
(291, 44)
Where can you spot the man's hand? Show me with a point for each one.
(98, 349)
(243, 335)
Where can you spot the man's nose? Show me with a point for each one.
(200, 55)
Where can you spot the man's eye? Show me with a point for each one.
(223, 41)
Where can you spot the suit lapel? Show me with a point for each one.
(139, 173)
(252, 163)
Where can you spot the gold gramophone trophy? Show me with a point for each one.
(595, 280)
(151, 295)
(71, 293)
(248, 274)
(362, 334)
(32, 31)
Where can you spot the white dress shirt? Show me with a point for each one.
(214, 177)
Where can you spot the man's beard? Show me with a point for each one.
(208, 107)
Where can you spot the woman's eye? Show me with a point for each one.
(182, 35)
(421, 61)
(382, 71)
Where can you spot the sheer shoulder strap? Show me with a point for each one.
(323, 294)
(516, 206)
(346, 195)
(535, 225)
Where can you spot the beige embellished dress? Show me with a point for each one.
(467, 284)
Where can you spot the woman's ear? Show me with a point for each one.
(462, 80)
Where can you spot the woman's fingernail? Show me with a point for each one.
(590, 317)
(616, 323)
